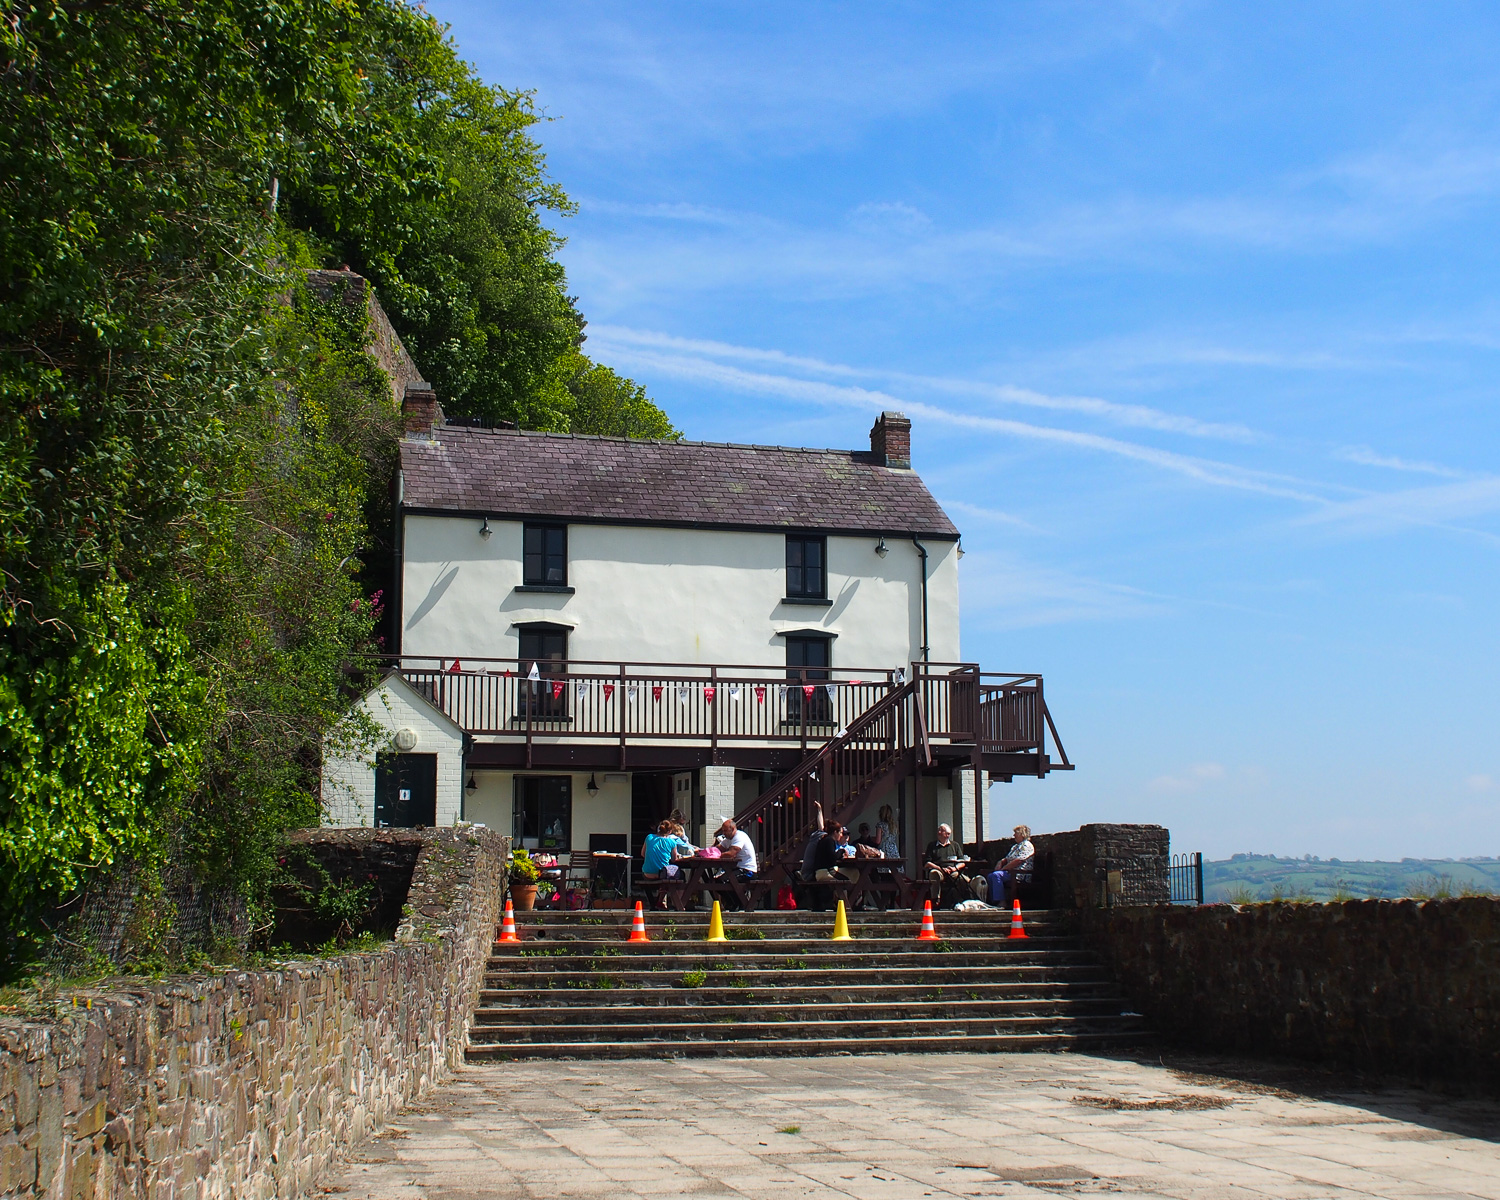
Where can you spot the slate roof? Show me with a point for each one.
(505, 473)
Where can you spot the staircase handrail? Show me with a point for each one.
(790, 785)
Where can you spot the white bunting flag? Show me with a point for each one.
(682, 694)
(583, 688)
(734, 693)
(830, 688)
(630, 691)
(534, 674)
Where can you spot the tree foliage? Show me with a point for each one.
(195, 450)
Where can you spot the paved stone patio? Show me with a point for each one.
(902, 1127)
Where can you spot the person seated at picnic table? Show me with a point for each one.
(946, 862)
(735, 848)
(831, 850)
(660, 850)
(1014, 869)
(866, 838)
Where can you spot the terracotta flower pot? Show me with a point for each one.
(524, 895)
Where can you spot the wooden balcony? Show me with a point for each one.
(654, 716)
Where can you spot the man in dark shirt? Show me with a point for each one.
(946, 862)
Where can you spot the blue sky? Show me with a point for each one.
(1193, 308)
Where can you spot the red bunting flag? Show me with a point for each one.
(807, 690)
(709, 693)
(656, 691)
(760, 694)
(557, 689)
(609, 691)
(455, 668)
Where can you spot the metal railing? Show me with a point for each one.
(1185, 878)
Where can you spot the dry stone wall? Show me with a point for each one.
(1391, 986)
(248, 1083)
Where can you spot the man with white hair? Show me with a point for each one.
(946, 862)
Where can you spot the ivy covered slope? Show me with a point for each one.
(195, 451)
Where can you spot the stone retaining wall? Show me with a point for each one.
(1392, 986)
(1096, 865)
(247, 1083)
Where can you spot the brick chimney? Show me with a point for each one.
(890, 440)
(420, 411)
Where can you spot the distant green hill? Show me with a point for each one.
(1246, 878)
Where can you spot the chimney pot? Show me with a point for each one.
(890, 440)
(420, 410)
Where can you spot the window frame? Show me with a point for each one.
(518, 812)
(544, 529)
(819, 708)
(802, 541)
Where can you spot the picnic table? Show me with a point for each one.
(873, 878)
(711, 875)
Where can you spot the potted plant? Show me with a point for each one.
(523, 875)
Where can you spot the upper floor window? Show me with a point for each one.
(806, 576)
(546, 554)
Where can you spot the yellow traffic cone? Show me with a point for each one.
(716, 926)
(841, 926)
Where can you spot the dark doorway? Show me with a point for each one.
(807, 661)
(650, 802)
(406, 790)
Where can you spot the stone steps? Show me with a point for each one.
(576, 988)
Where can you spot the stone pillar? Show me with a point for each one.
(718, 797)
(965, 826)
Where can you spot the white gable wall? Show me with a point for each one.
(671, 595)
(348, 785)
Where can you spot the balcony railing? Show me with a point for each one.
(637, 702)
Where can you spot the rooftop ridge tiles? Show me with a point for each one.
(474, 430)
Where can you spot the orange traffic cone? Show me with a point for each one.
(929, 931)
(1016, 929)
(508, 927)
(638, 934)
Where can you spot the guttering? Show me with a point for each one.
(394, 605)
(922, 550)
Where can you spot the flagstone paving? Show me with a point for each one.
(910, 1126)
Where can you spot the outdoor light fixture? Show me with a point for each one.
(593, 788)
(472, 785)
(881, 548)
(484, 527)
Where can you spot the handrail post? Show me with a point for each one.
(804, 704)
(531, 690)
(713, 717)
(620, 702)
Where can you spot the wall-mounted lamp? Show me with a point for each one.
(593, 787)
(484, 527)
(472, 785)
(881, 548)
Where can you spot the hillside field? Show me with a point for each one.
(1249, 877)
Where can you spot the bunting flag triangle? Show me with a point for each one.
(830, 687)
(807, 690)
(760, 693)
(534, 674)
(583, 687)
(734, 693)
(456, 667)
(709, 691)
(656, 691)
(557, 689)
(682, 693)
(630, 692)
(609, 691)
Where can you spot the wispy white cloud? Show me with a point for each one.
(1189, 780)
(1367, 457)
(1438, 506)
(989, 514)
(1135, 415)
(1003, 591)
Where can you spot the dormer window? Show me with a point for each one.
(806, 574)
(546, 555)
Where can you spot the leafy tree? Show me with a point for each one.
(194, 449)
